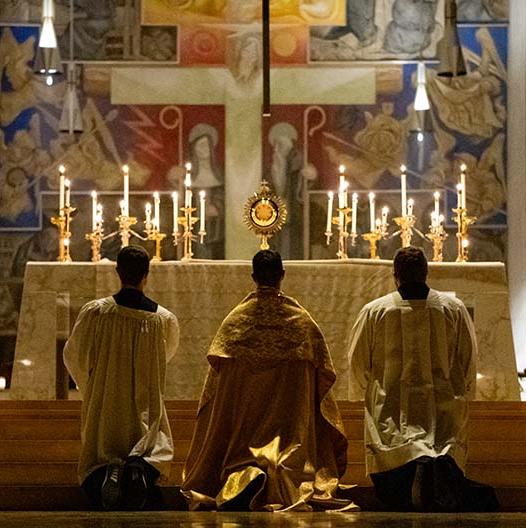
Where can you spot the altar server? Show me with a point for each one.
(117, 355)
(269, 434)
(412, 352)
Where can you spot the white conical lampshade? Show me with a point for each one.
(48, 39)
(71, 118)
(421, 98)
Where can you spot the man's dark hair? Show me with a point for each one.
(267, 267)
(133, 264)
(410, 265)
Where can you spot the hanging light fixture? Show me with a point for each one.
(71, 117)
(449, 51)
(421, 98)
(421, 120)
(47, 60)
(265, 4)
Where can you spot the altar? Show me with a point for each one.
(201, 293)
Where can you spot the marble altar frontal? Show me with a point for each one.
(201, 293)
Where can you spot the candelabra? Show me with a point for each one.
(406, 224)
(63, 222)
(187, 221)
(437, 235)
(463, 222)
(96, 237)
(374, 237)
(125, 231)
(342, 221)
(153, 233)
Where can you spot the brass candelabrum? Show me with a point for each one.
(63, 222)
(342, 221)
(125, 231)
(153, 233)
(373, 238)
(437, 235)
(406, 224)
(187, 221)
(96, 237)
(463, 222)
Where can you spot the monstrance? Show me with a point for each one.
(265, 214)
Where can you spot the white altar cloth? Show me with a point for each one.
(201, 293)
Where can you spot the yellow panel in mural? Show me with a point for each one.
(175, 12)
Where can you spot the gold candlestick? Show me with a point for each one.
(96, 237)
(342, 221)
(187, 221)
(463, 222)
(63, 222)
(125, 232)
(437, 234)
(373, 238)
(406, 224)
(152, 233)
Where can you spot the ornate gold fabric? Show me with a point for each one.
(268, 434)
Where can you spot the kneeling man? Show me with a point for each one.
(413, 354)
(117, 355)
(269, 434)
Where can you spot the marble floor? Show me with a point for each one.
(270, 520)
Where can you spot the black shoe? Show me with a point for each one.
(135, 488)
(111, 487)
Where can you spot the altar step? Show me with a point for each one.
(40, 443)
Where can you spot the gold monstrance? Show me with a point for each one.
(265, 214)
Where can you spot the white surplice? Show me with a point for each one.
(415, 362)
(118, 356)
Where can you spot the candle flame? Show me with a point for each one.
(125, 169)
(94, 194)
(341, 168)
(148, 207)
(202, 194)
(330, 194)
(121, 204)
(463, 167)
(175, 196)
(410, 202)
(403, 168)
(61, 169)
(67, 183)
(156, 195)
(385, 210)
(354, 197)
(459, 186)
(465, 243)
(436, 195)
(188, 166)
(372, 196)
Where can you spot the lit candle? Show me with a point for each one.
(126, 185)
(2, 383)
(148, 215)
(410, 204)
(385, 212)
(328, 227)
(403, 185)
(156, 207)
(93, 210)
(188, 184)
(175, 202)
(436, 196)
(372, 210)
(459, 195)
(343, 186)
(61, 171)
(67, 185)
(463, 183)
(99, 215)
(202, 196)
(354, 212)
